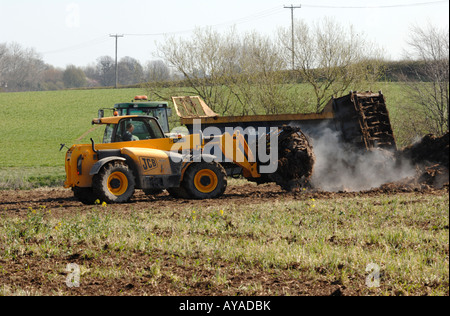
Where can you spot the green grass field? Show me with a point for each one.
(34, 124)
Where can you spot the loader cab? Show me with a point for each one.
(130, 128)
(141, 106)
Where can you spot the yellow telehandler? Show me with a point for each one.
(136, 154)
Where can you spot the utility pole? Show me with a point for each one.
(292, 7)
(116, 36)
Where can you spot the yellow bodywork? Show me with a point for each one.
(151, 157)
(151, 161)
(138, 150)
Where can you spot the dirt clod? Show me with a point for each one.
(430, 156)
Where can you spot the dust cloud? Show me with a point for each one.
(341, 167)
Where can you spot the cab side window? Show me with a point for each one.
(137, 129)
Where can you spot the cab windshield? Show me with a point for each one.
(159, 113)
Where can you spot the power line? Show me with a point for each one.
(256, 16)
(90, 43)
(374, 6)
(102, 39)
(246, 19)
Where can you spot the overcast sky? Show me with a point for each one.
(78, 31)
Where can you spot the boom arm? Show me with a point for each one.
(235, 148)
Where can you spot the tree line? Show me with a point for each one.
(23, 69)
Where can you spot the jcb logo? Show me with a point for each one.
(148, 163)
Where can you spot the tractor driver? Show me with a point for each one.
(128, 135)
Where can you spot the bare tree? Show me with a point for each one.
(332, 59)
(3, 82)
(200, 60)
(3, 52)
(92, 75)
(157, 70)
(429, 87)
(21, 68)
(106, 70)
(234, 74)
(256, 76)
(130, 71)
(52, 78)
(189, 58)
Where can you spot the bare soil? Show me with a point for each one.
(30, 272)
(19, 202)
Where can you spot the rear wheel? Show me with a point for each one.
(296, 159)
(114, 183)
(204, 180)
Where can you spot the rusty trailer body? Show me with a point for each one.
(361, 119)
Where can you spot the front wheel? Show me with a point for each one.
(205, 180)
(114, 183)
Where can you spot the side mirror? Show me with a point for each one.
(101, 113)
